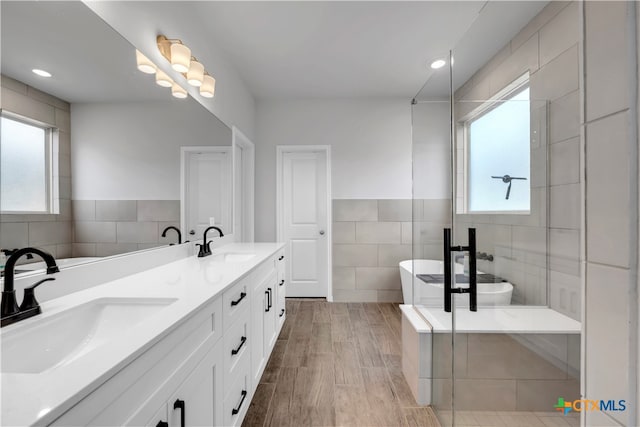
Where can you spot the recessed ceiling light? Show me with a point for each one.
(439, 63)
(41, 73)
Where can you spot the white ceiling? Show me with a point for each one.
(335, 49)
(355, 48)
(287, 49)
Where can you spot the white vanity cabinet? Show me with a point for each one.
(141, 391)
(197, 401)
(267, 313)
(202, 373)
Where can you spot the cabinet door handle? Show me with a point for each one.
(281, 258)
(270, 297)
(268, 304)
(281, 282)
(235, 410)
(179, 404)
(282, 312)
(162, 424)
(237, 349)
(236, 302)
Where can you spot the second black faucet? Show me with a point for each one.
(205, 249)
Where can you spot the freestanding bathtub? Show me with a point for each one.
(432, 294)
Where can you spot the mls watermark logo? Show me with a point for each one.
(580, 405)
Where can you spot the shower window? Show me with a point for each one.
(25, 166)
(496, 151)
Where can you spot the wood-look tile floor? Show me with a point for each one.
(337, 364)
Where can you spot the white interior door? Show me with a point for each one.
(207, 189)
(303, 221)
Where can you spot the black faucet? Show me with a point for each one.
(171, 227)
(9, 309)
(205, 249)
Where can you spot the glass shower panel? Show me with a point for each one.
(496, 150)
(519, 353)
(432, 212)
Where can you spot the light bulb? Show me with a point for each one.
(195, 75)
(163, 79)
(178, 91)
(144, 64)
(208, 87)
(180, 57)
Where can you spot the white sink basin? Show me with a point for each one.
(231, 257)
(62, 338)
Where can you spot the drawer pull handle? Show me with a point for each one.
(236, 302)
(235, 411)
(281, 282)
(281, 258)
(162, 424)
(282, 312)
(268, 293)
(179, 404)
(237, 349)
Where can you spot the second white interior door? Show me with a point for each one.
(208, 190)
(304, 208)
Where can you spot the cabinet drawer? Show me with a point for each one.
(234, 301)
(237, 342)
(239, 395)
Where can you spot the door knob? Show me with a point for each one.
(192, 232)
(322, 232)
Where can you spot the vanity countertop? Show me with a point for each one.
(29, 399)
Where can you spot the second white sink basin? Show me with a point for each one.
(62, 338)
(231, 257)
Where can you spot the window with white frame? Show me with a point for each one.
(25, 166)
(497, 153)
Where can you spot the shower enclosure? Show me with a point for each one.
(496, 199)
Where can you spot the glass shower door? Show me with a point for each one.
(432, 213)
(511, 354)
(517, 354)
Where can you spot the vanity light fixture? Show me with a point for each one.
(178, 91)
(41, 73)
(163, 79)
(144, 64)
(181, 60)
(438, 63)
(208, 87)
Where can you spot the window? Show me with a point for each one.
(25, 167)
(498, 153)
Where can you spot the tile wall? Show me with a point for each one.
(611, 142)
(548, 47)
(110, 227)
(500, 372)
(51, 233)
(370, 238)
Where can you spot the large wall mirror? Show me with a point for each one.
(92, 155)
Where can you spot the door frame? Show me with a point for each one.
(239, 139)
(280, 150)
(184, 150)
